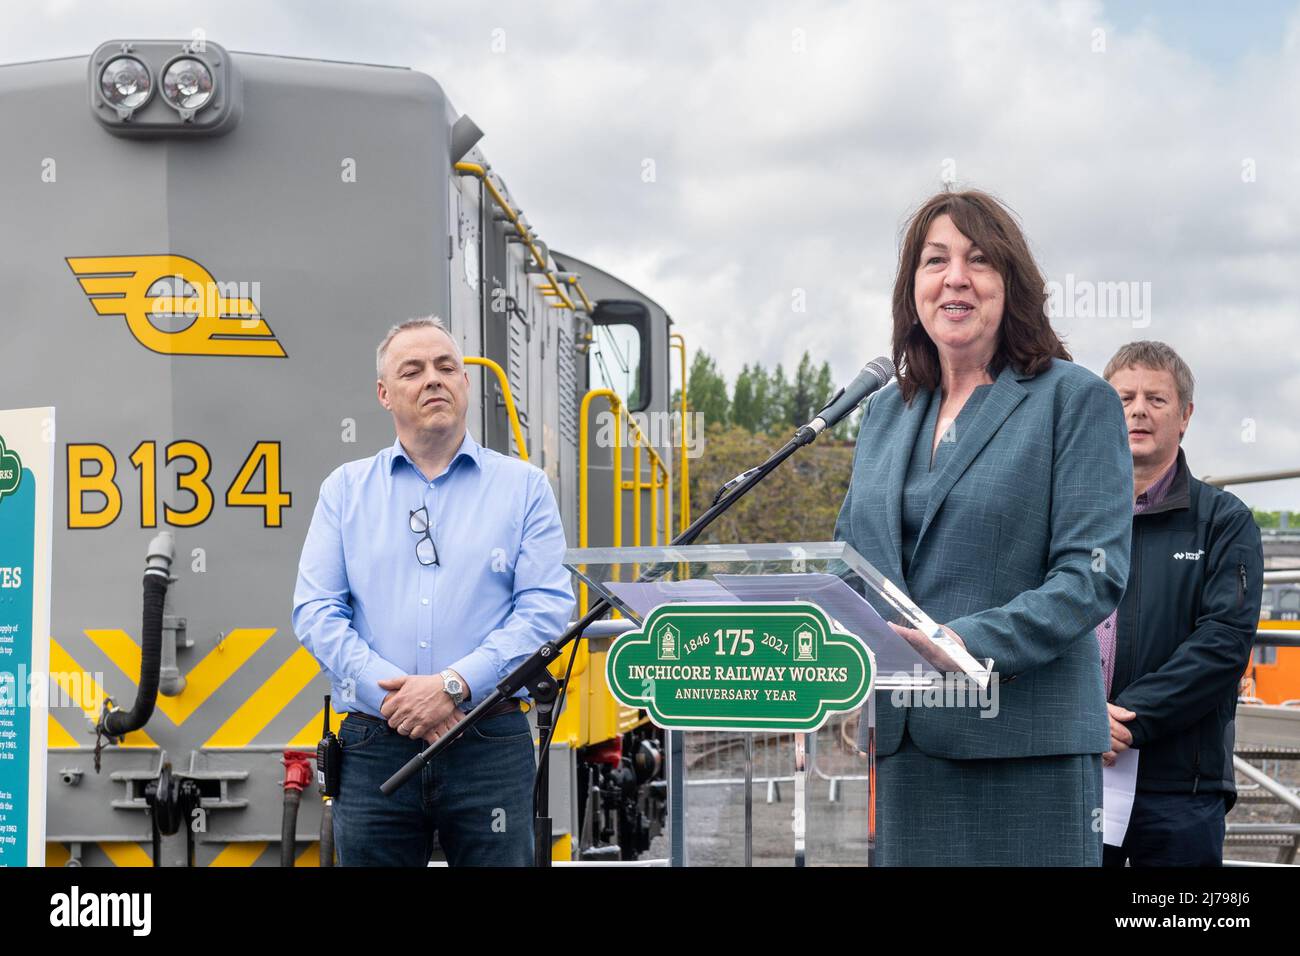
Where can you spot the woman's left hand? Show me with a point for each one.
(933, 654)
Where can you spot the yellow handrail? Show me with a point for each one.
(585, 301)
(636, 485)
(474, 169)
(583, 466)
(685, 518)
(507, 397)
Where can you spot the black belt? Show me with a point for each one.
(508, 706)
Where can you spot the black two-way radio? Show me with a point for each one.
(328, 757)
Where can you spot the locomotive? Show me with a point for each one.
(200, 252)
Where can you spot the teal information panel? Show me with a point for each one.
(17, 532)
(26, 531)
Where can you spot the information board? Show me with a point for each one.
(26, 530)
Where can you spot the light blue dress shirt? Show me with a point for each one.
(367, 609)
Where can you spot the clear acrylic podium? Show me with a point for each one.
(815, 790)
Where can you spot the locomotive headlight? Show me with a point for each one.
(187, 85)
(125, 82)
(198, 86)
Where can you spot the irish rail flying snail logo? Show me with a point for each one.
(174, 306)
(11, 470)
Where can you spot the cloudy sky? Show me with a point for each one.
(1154, 144)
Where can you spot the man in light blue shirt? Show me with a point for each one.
(431, 571)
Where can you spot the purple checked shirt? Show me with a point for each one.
(1107, 628)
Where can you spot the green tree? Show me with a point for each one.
(778, 400)
(1273, 519)
(824, 386)
(799, 408)
(745, 412)
(762, 396)
(798, 502)
(706, 391)
(847, 429)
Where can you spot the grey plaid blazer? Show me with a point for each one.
(1024, 550)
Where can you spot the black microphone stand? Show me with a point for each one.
(543, 686)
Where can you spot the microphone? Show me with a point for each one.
(874, 375)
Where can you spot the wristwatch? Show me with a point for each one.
(454, 686)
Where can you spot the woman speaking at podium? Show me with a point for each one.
(992, 481)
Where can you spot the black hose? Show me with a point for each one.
(120, 722)
(327, 833)
(289, 826)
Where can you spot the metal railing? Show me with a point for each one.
(711, 758)
(677, 341)
(1251, 477)
(1264, 785)
(1280, 637)
(551, 288)
(636, 485)
(745, 796)
(1285, 835)
(507, 396)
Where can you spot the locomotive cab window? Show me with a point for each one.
(616, 359)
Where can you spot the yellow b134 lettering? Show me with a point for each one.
(92, 480)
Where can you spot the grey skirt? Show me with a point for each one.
(1026, 811)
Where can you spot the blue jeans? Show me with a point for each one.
(477, 795)
(1172, 829)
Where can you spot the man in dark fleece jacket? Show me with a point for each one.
(1175, 649)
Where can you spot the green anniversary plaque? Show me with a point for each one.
(740, 667)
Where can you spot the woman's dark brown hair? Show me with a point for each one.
(1026, 340)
